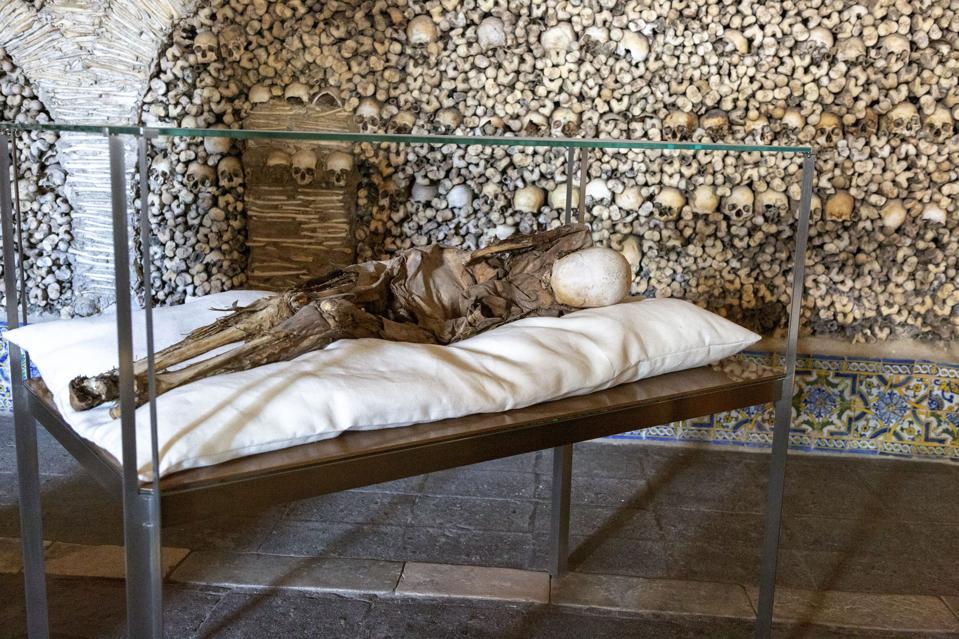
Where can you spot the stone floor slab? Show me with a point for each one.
(635, 594)
(258, 571)
(473, 582)
(903, 613)
(11, 559)
(79, 560)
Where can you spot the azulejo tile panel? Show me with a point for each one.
(888, 407)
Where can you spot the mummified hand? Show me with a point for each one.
(429, 294)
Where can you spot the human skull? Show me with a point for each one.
(260, 93)
(903, 120)
(668, 204)
(401, 123)
(217, 145)
(232, 43)
(791, 125)
(160, 170)
(934, 213)
(819, 44)
(564, 121)
(367, 115)
(230, 172)
(205, 47)
(829, 129)
(447, 120)
(865, 126)
(296, 93)
(591, 277)
(557, 40)
(716, 123)
(491, 33)
(839, 206)
(705, 200)
(492, 125)
(772, 205)
(597, 191)
(629, 199)
(491, 194)
(892, 54)
(850, 50)
(596, 39)
(529, 199)
(339, 165)
(535, 123)
(679, 125)
(423, 192)
(303, 167)
(557, 197)
(277, 166)
(199, 175)
(893, 215)
(939, 126)
(758, 128)
(733, 41)
(421, 31)
(739, 204)
(634, 46)
(459, 197)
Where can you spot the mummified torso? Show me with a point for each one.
(430, 294)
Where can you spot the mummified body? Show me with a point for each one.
(431, 294)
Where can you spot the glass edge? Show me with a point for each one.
(392, 138)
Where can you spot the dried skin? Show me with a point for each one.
(431, 294)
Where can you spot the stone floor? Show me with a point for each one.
(641, 513)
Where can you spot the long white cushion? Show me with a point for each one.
(366, 384)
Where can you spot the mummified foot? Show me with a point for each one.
(89, 392)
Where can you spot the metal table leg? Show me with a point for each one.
(28, 471)
(559, 516)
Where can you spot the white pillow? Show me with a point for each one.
(367, 383)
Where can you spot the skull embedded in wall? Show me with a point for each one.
(557, 40)
(230, 172)
(891, 54)
(715, 123)
(739, 204)
(232, 43)
(829, 129)
(421, 31)
(791, 126)
(902, 120)
(259, 94)
(668, 204)
(199, 175)
(934, 213)
(758, 128)
(492, 125)
(277, 165)
(303, 167)
(732, 41)
(679, 125)
(629, 199)
(839, 206)
(633, 46)
(529, 199)
(401, 123)
(205, 47)
(423, 192)
(564, 121)
(938, 125)
(367, 114)
(865, 126)
(297, 94)
(491, 33)
(535, 123)
(557, 197)
(160, 169)
(339, 165)
(595, 40)
(772, 205)
(447, 120)
(459, 198)
(850, 50)
(705, 201)
(819, 44)
(893, 215)
(597, 192)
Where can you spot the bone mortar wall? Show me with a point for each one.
(873, 87)
(47, 222)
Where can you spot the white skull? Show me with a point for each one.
(339, 165)
(819, 44)
(230, 172)
(205, 47)
(535, 123)
(892, 53)
(423, 192)
(421, 31)
(217, 145)
(529, 199)
(893, 215)
(903, 120)
(492, 125)
(459, 197)
(595, 39)
(629, 199)
(557, 197)
(401, 123)
(564, 121)
(557, 41)
(772, 205)
(791, 125)
(447, 120)
(705, 200)
(277, 165)
(160, 169)
(758, 128)
(865, 126)
(668, 204)
(934, 213)
(591, 277)
(679, 125)
(597, 191)
(716, 123)
(939, 125)
(850, 50)
(259, 94)
(303, 167)
(739, 204)
(232, 43)
(839, 206)
(829, 129)
(491, 33)
(199, 175)
(634, 46)
(368, 113)
(297, 93)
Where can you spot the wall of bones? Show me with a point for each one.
(872, 86)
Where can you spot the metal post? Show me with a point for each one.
(569, 185)
(144, 167)
(28, 468)
(583, 164)
(141, 530)
(559, 515)
(777, 467)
